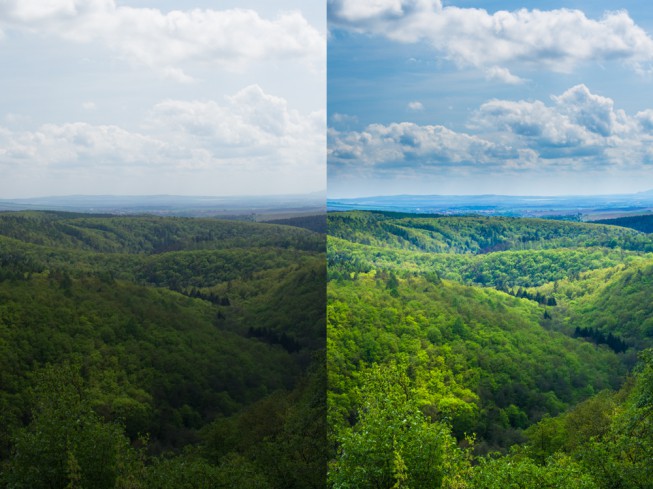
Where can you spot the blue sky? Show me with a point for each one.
(464, 97)
(126, 97)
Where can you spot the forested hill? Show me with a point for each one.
(474, 234)
(147, 234)
(640, 223)
(316, 222)
(203, 337)
(465, 335)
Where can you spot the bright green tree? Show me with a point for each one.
(393, 445)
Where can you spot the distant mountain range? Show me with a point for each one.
(574, 207)
(175, 205)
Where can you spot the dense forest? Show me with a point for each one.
(147, 352)
(488, 352)
(643, 223)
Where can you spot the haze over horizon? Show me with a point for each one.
(560, 195)
(164, 195)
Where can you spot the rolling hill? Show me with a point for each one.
(160, 333)
(490, 327)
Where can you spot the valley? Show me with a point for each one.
(513, 351)
(145, 351)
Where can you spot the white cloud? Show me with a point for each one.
(251, 131)
(594, 112)
(645, 119)
(415, 105)
(578, 123)
(231, 39)
(534, 122)
(502, 75)
(357, 11)
(576, 131)
(557, 40)
(408, 145)
(343, 118)
(89, 105)
(78, 143)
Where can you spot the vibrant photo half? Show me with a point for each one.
(490, 267)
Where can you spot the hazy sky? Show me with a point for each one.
(470, 97)
(135, 97)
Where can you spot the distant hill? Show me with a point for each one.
(640, 223)
(317, 223)
(572, 206)
(242, 207)
(475, 234)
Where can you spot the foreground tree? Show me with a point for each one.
(67, 445)
(394, 445)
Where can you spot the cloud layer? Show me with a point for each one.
(575, 131)
(250, 133)
(231, 39)
(557, 40)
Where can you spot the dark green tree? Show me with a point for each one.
(67, 445)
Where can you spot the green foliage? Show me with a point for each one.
(479, 357)
(393, 444)
(481, 313)
(558, 472)
(67, 445)
(640, 223)
(156, 312)
(283, 437)
(148, 235)
(190, 471)
(474, 234)
(620, 305)
(511, 268)
(610, 436)
(317, 223)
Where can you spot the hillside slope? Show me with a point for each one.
(170, 327)
(489, 326)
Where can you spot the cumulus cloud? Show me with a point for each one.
(365, 10)
(577, 124)
(339, 118)
(594, 112)
(557, 40)
(645, 119)
(408, 145)
(532, 122)
(574, 131)
(72, 144)
(250, 130)
(249, 124)
(416, 105)
(229, 38)
(502, 75)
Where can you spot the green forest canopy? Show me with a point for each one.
(497, 331)
(166, 336)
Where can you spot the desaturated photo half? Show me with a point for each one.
(490, 271)
(162, 244)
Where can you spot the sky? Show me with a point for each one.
(470, 97)
(146, 97)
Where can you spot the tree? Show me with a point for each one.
(559, 472)
(393, 445)
(67, 445)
